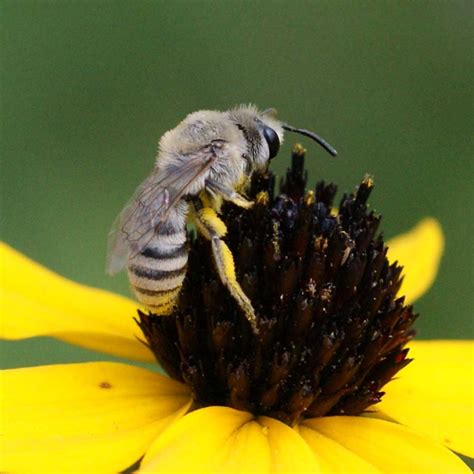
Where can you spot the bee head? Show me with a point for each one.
(264, 134)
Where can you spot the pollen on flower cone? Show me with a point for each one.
(331, 328)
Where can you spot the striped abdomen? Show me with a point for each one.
(157, 273)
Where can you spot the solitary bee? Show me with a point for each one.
(207, 159)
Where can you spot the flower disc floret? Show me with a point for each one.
(332, 330)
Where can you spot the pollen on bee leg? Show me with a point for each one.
(240, 201)
(225, 265)
(209, 223)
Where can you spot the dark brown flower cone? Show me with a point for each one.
(332, 330)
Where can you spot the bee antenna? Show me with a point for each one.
(313, 136)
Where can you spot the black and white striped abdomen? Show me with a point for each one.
(157, 273)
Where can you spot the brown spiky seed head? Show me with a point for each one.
(332, 330)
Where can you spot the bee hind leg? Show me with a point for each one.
(228, 194)
(212, 227)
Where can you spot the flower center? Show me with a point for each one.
(332, 330)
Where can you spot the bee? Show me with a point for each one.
(208, 158)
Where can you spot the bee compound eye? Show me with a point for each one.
(272, 140)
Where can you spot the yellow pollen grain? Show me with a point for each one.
(262, 198)
(368, 181)
(309, 199)
(321, 244)
(298, 149)
(275, 243)
(326, 294)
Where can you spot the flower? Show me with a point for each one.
(106, 417)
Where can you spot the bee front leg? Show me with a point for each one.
(212, 227)
(228, 194)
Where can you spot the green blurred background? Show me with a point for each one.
(89, 87)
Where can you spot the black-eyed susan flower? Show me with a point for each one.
(316, 390)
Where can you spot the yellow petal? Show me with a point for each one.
(419, 252)
(333, 457)
(389, 447)
(94, 417)
(223, 440)
(435, 393)
(35, 301)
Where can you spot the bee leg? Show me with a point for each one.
(212, 227)
(228, 194)
(225, 266)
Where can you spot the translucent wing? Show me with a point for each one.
(150, 205)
